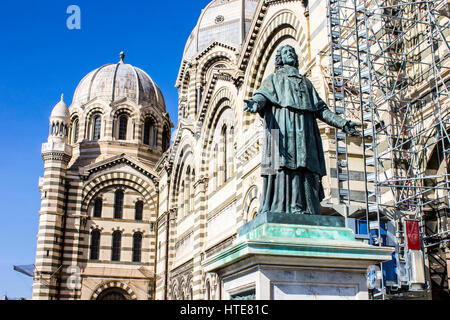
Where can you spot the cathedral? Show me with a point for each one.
(130, 210)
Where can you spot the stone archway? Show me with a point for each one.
(113, 291)
(113, 294)
(251, 203)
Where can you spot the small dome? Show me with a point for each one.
(60, 111)
(225, 21)
(114, 82)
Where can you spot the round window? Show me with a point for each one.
(220, 19)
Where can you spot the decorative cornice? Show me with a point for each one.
(56, 156)
(109, 163)
(164, 164)
(211, 46)
(186, 267)
(183, 237)
(220, 246)
(251, 37)
(186, 64)
(161, 220)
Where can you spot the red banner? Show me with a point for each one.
(413, 234)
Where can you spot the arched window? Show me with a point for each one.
(187, 194)
(174, 293)
(191, 209)
(75, 131)
(118, 204)
(116, 245)
(165, 138)
(123, 124)
(154, 139)
(137, 247)
(150, 133)
(182, 200)
(223, 160)
(96, 127)
(230, 153)
(95, 245)
(208, 291)
(216, 166)
(98, 204)
(139, 208)
(147, 128)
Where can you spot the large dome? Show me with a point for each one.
(114, 82)
(222, 20)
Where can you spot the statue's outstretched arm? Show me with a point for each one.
(331, 118)
(256, 103)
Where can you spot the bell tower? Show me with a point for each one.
(56, 153)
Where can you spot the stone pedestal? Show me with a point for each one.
(292, 257)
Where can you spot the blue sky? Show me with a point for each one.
(40, 59)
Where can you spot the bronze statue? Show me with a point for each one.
(293, 159)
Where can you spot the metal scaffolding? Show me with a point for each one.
(390, 68)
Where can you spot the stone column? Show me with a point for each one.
(50, 238)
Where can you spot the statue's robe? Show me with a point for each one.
(293, 159)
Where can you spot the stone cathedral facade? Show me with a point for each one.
(126, 214)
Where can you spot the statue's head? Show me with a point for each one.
(286, 55)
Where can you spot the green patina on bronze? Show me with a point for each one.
(288, 232)
(293, 161)
(309, 220)
(300, 241)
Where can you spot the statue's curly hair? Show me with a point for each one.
(279, 61)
